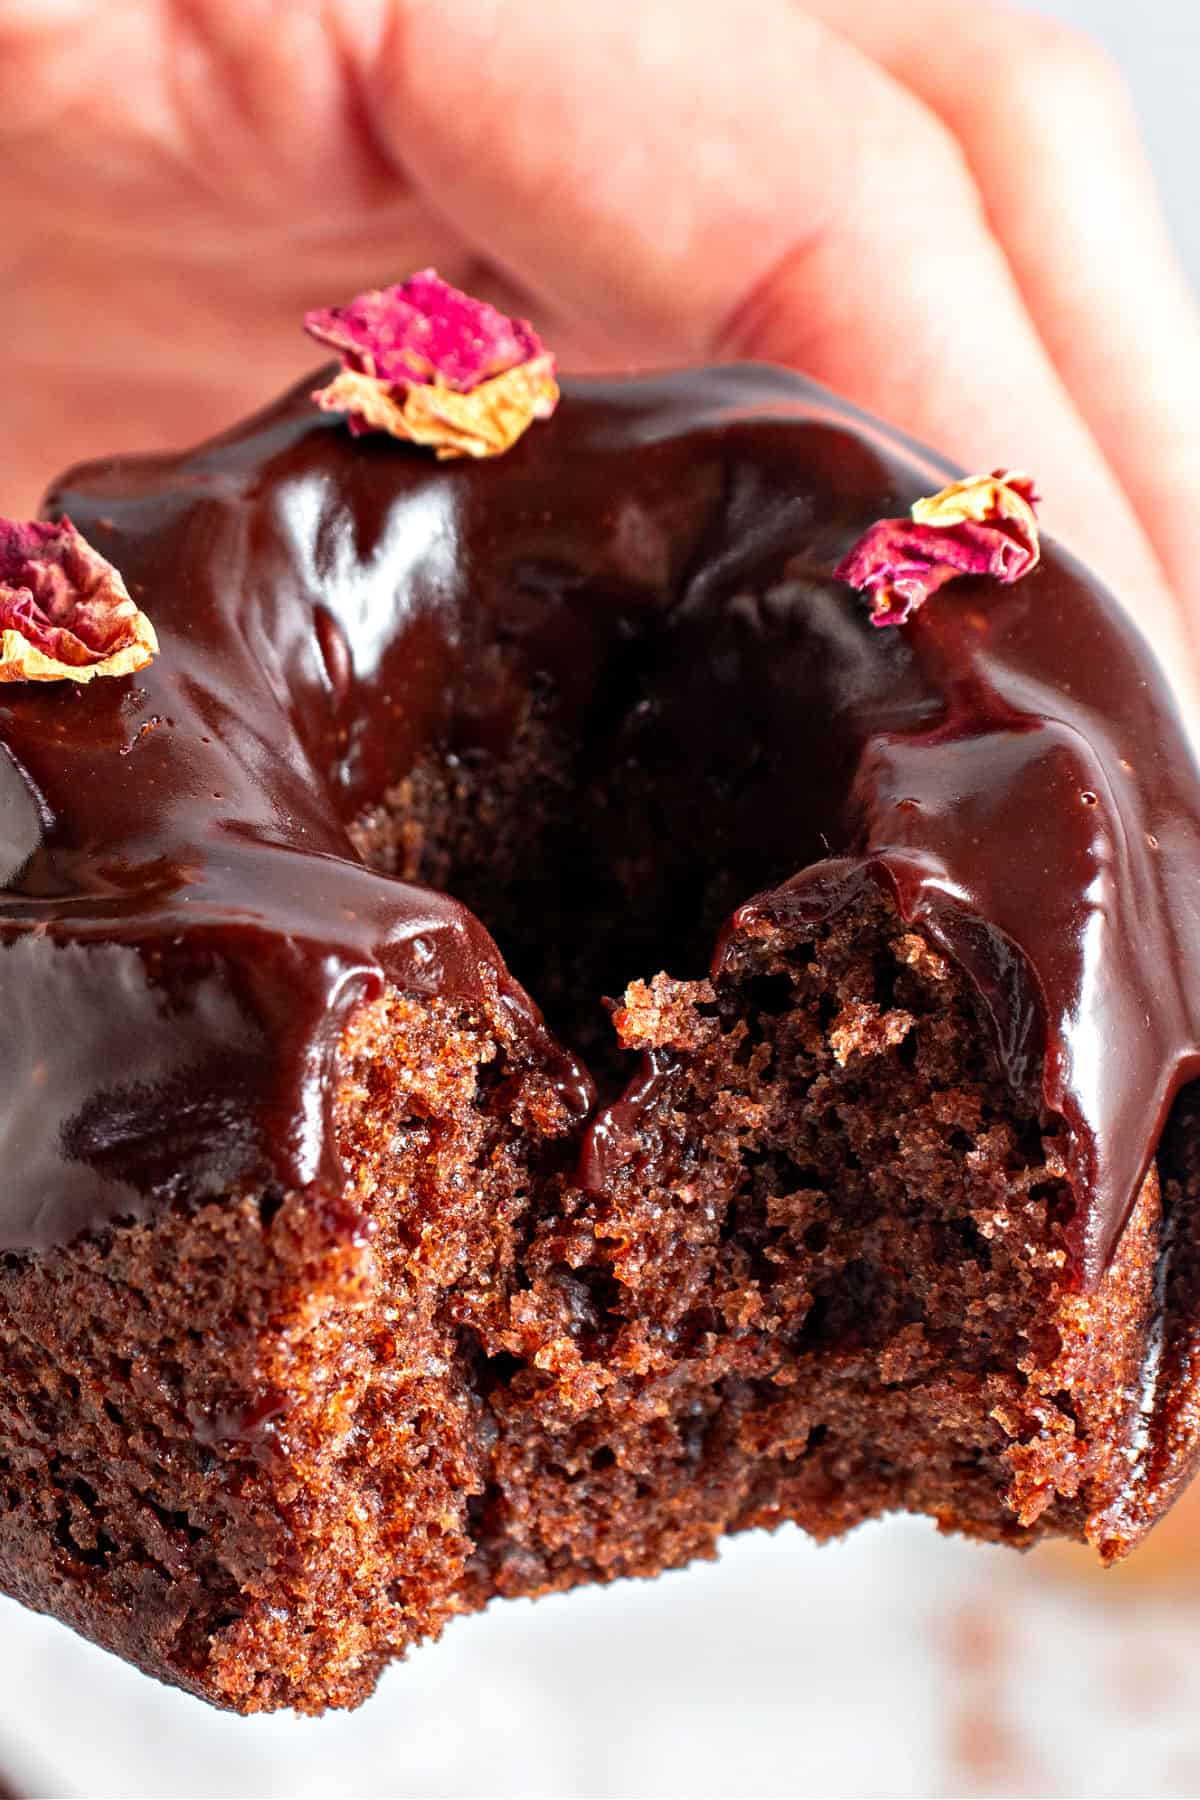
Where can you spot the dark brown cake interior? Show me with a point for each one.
(825, 1280)
(831, 1280)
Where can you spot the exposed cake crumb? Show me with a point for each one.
(861, 1029)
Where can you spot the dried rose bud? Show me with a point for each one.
(430, 364)
(65, 613)
(985, 525)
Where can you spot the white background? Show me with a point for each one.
(895, 1663)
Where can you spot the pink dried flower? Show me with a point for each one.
(984, 525)
(428, 363)
(65, 613)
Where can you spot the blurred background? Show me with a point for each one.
(893, 1664)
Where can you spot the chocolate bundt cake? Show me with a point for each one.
(345, 1286)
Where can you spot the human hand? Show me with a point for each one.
(939, 207)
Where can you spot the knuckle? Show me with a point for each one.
(1049, 65)
(917, 156)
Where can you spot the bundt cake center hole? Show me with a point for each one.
(594, 857)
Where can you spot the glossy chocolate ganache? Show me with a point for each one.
(187, 925)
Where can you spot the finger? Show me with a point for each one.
(177, 221)
(764, 191)
(1052, 141)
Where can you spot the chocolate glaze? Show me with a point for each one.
(186, 927)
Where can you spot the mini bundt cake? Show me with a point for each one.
(346, 1286)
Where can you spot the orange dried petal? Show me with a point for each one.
(984, 500)
(486, 421)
